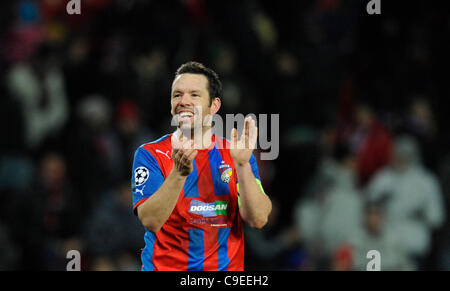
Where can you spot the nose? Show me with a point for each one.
(186, 100)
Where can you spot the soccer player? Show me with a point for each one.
(190, 193)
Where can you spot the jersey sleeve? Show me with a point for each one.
(254, 166)
(146, 177)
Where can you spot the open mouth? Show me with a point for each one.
(185, 114)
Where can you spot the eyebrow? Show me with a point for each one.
(191, 91)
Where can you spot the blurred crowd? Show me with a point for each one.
(364, 158)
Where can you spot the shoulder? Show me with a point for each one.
(161, 143)
(151, 150)
(426, 177)
(154, 155)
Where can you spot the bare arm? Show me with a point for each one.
(155, 211)
(255, 205)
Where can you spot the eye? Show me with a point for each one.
(176, 95)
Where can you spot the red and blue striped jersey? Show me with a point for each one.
(204, 231)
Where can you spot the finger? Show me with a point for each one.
(248, 120)
(191, 144)
(184, 139)
(244, 129)
(180, 140)
(192, 155)
(246, 132)
(249, 131)
(187, 153)
(184, 161)
(174, 153)
(233, 138)
(186, 158)
(253, 135)
(243, 141)
(175, 146)
(187, 143)
(178, 155)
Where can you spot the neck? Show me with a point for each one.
(202, 137)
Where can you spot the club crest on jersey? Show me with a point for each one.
(225, 172)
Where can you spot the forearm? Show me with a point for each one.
(155, 211)
(255, 205)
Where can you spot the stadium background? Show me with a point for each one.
(79, 93)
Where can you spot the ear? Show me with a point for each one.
(215, 106)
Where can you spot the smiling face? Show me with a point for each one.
(191, 102)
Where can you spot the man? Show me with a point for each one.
(413, 196)
(185, 185)
(375, 234)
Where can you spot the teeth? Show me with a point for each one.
(186, 114)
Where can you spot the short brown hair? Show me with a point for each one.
(214, 84)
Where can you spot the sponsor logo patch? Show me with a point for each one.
(208, 209)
